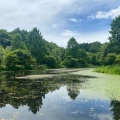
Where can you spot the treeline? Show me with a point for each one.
(25, 50)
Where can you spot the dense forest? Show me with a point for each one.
(25, 50)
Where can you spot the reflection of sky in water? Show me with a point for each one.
(95, 99)
(58, 105)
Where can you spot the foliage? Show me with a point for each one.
(47, 54)
(73, 48)
(113, 69)
(50, 61)
(117, 60)
(91, 47)
(110, 59)
(2, 51)
(24, 34)
(17, 42)
(18, 60)
(41, 67)
(95, 47)
(36, 45)
(115, 31)
(82, 63)
(114, 44)
(71, 62)
(5, 38)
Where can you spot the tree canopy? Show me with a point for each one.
(21, 49)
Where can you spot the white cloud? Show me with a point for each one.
(28, 14)
(74, 20)
(62, 39)
(101, 36)
(51, 17)
(101, 116)
(70, 33)
(54, 25)
(105, 15)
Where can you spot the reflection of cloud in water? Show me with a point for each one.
(58, 99)
(101, 116)
(75, 112)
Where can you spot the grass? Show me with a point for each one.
(113, 69)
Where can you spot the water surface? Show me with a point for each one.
(70, 96)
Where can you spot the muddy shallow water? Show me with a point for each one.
(70, 95)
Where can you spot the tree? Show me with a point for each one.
(82, 62)
(36, 45)
(5, 38)
(57, 54)
(24, 34)
(94, 60)
(2, 51)
(83, 54)
(110, 59)
(115, 31)
(73, 48)
(18, 60)
(71, 62)
(85, 46)
(17, 42)
(114, 45)
(50, 61)
(94, 47)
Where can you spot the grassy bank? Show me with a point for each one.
(113, 69)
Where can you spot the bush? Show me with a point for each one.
(19, 60)
(71, 62)
(50, 61)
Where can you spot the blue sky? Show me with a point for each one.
(58, 21)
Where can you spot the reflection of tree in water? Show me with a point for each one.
(32, 92)
(73, 91)
(25, 92)
(116, 109)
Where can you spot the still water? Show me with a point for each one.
(69, 95)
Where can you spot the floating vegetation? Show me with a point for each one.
(57, 74)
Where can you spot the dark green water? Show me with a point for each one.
(64, 98)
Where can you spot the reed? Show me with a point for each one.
(113, 69)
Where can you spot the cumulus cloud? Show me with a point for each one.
(74, 20)
(51, 17)
(105, 15)
(70, 33)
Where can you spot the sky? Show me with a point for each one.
(59, 20)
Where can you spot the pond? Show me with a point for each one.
(76, 94)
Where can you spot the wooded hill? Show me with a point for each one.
(24, 50)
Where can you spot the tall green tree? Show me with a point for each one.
(72, 48)
(17, 42)
(114, 45)
(36, 45)
(57, 54)
(5, 38)
(24, 34)
(115, 31)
